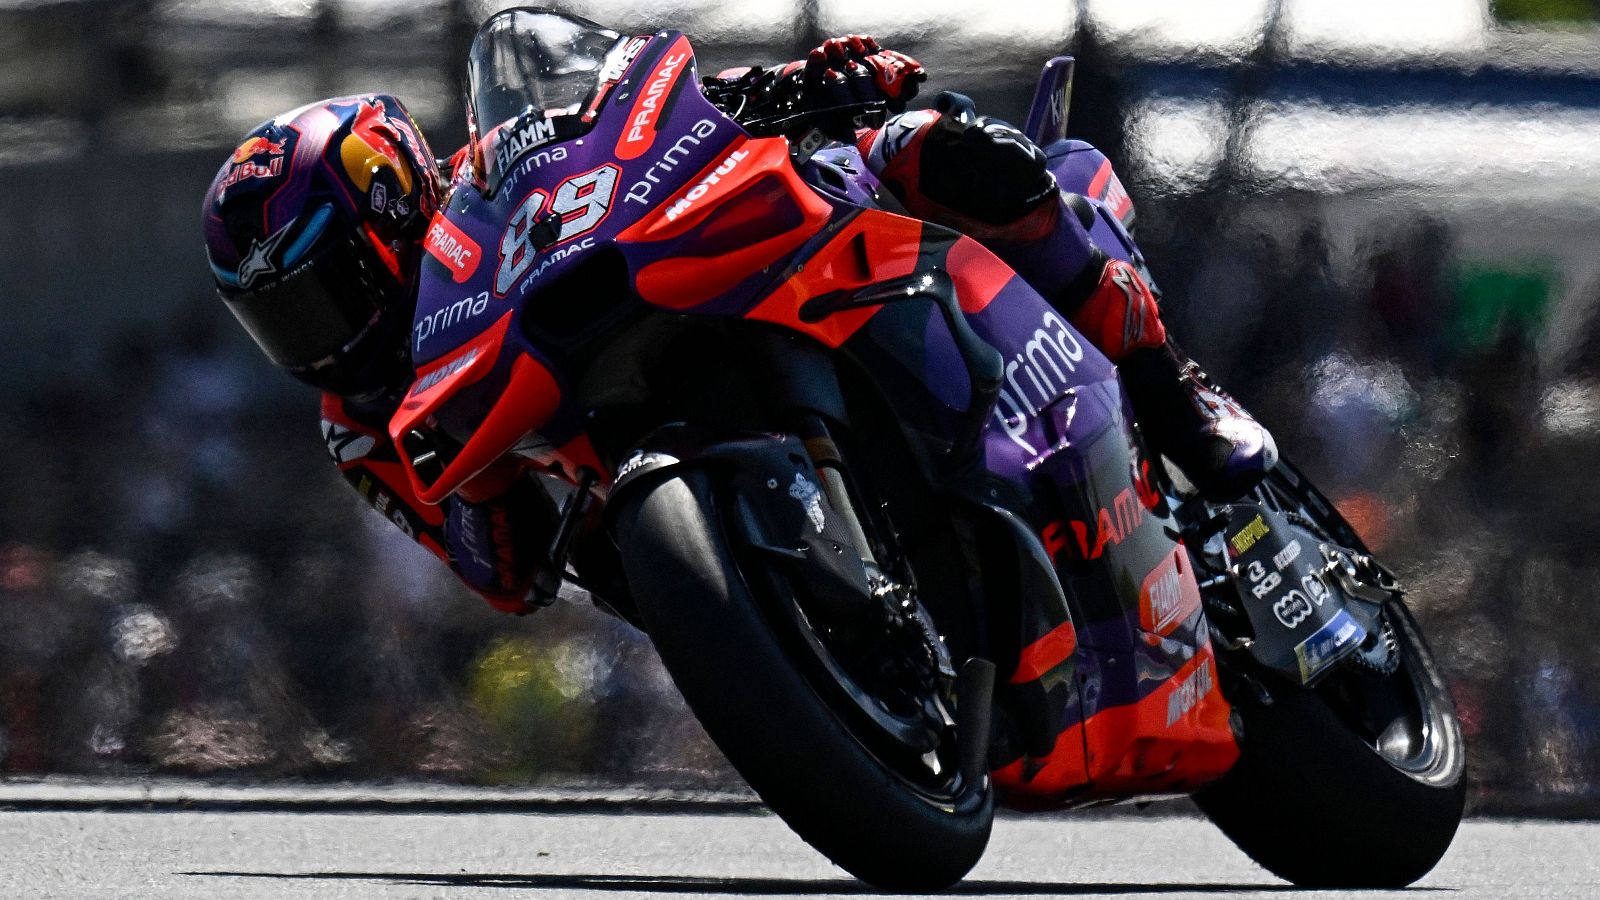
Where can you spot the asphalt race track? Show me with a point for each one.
(575, 847)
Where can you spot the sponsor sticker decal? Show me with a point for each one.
(1167, 598)
(451, 246)
(434, 378)
(810, 497)
(1248, 535)
(1291, 609)
(1314, 588)
(1035, 377)
(1289, 553)
(639, 192)
(723, 169)
(522, 137)
(640, 129)
(1262, 582)
(1318, 651)
(246, 166)
(1189, 692)
(1112, 524)
(459, 311)
(259, 260)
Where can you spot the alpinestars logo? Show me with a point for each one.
(258, 261)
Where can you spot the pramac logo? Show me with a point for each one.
(451, 246)
(639, 131)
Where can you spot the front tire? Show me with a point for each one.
(717, 632)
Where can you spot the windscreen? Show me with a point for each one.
(529, 75)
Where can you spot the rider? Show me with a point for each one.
(314, 231)
(926, 158)
(314, 227)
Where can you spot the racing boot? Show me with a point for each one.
(1185, 417)
(1222, 449)
(929, 158)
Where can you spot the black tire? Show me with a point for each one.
(1317, 804)
(715, 635)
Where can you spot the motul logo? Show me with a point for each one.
(700, 190)
(1189, 692)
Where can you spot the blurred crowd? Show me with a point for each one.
(186, 586)
(196, 590)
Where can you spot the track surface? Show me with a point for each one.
(314, 854)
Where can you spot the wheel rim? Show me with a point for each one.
(1406, 717)
(916, 747)
(897, 739)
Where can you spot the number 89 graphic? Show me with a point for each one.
(581, 201)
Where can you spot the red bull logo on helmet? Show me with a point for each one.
(244, 161)
(253, 147)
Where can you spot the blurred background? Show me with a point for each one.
(1377, 222)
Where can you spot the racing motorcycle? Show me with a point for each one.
(885, 515)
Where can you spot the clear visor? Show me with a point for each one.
(529, 75)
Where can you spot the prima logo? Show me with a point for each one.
(457, 312)
(640, 190)
(1036, 376)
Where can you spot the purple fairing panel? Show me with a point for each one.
(586, 175)
(840, 174)
(1047, 114)
(615, 193)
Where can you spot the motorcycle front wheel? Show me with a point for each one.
(799, 726)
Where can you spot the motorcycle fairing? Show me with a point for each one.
(1058, 441)
(1100, 672)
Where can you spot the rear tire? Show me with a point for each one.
(714, 630)
(1315, 803)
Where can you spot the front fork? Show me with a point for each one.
(893, 585)
(830, 468)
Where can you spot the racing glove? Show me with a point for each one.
(844, 73)
(853, 69)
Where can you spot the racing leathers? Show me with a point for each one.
(490, 532)
(927, 160)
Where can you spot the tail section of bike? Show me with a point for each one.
(1352, 757)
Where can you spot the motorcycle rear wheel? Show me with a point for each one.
(1356, 783)
(720, 632)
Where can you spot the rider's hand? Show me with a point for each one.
(853, 69)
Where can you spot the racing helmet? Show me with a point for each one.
(313, 229)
